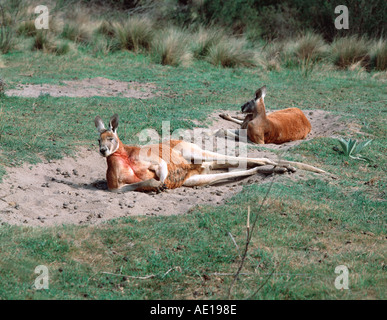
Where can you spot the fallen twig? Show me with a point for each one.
(141, 277)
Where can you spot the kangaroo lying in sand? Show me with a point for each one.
(173, 163)
(277, 127)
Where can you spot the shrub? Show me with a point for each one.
(347, 51)
(279, 22)
(231, 53)
(135, 34)
(170, 47)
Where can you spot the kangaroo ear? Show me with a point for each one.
(113, 124)
(260, 93)
(99, 124)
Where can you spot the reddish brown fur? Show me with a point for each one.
(278, 127)
(125, 166)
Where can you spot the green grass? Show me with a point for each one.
(306, 229)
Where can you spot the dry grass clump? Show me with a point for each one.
(26, 28)
(135, 34)
(310, 46)
(204, 39)
(106, 28)
(231, 53)
(103, 45)
(347, 51)
(379, 55)
(45, 42)
(75, 32)
(171, 47)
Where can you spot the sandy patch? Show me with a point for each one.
(74, 191)
(87, 88)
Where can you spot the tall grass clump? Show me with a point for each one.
(26, 28)
(310, 46)
(379, 55)
(135, 34)
(204, 39)
(75, 32)
(231, 53)
(106, 28)
(7, 31)
(347, 51)
(103, 45)
(43, 41)
(171, 47)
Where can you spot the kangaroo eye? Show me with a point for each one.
(110, 139)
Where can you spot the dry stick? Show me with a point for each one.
(236, 245)
(248, 239)
(133, 277)
(143, 277)
(262, 285)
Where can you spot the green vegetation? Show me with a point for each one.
(306, 228)
(352, 149)
(289, 44)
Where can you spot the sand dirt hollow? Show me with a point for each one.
(87, 88)
(74, 191)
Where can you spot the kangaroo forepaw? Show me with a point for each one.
(225, 116)
(161, 188)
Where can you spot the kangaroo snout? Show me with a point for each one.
(103, 150)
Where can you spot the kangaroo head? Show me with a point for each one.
(108, 139)
(255, 105)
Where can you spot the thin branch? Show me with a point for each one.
(133, 277)
(248, 240)
(236, 245)
(141, 277)
(262, 285)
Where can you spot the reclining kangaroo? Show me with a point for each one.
(277, 127)
(169, 164)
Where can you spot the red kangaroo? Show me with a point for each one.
(277, 127)
(165, 165)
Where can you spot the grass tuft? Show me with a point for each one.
(44, 41)
(231, 53)
(347, 51)
(106, 28)
(75, 32)
(379, 55)
(27, 28)
(135, 34)
(310, 46)
(170, 47)
(204, 39)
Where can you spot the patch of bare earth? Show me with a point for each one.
(74, 191)
(87, 88)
